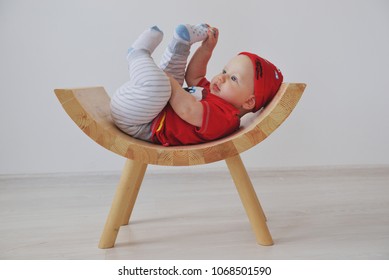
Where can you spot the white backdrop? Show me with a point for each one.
(339, 48)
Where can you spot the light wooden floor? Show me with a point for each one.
(316, 213)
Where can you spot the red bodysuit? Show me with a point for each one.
(220, 119)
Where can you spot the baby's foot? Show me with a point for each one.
(191, 34)
(148, 40)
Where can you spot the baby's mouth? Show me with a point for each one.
(215, 89)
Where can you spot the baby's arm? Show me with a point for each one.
(185, 105)
(197, 67)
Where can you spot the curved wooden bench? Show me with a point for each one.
(90, 110)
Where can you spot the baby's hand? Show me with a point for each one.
(211, 41)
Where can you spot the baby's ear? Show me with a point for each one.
(250, 103)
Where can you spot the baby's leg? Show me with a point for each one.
(176, 54)
(142, 98)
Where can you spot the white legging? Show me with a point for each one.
(138, 101)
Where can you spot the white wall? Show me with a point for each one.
(339, 48)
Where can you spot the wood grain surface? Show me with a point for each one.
(89, 108)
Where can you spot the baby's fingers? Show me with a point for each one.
(213, 31)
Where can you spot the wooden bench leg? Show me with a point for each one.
(249, 199)
(123, 201)
(134, 190)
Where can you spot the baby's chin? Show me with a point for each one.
(216, 93)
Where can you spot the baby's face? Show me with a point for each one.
(235, 83)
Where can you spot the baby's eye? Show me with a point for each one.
(224, 71)
(234, 78)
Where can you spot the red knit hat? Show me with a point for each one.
(267, 80)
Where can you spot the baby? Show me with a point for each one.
(153, 106)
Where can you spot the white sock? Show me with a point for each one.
(191, 34)
(148, 40)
